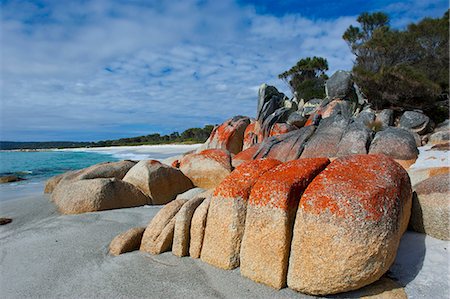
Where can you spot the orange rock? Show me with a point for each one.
(226, 215)
(229, 135)
(270, 216)
(252, 135)
(244, 156)
(207, 168)
(281, 128)
(176, 164)
(349, 224)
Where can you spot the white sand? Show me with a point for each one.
(47, 255)
(140, 152)
(431, 158)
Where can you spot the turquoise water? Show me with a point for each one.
(39, 166)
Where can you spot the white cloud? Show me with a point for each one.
(102, 68)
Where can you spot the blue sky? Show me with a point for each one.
(91, 70)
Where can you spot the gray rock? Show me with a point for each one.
(443, 126)
(278, 116)
(339, 85)
(415, 121)
(396, 143)
(296, 119)
(386, 118)
(269, 100)
(325, 141)
(356, 140)
(10, 179)
(439, 137)
(365, 117)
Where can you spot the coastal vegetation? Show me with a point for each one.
(191, 135)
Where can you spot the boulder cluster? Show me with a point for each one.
(314, 196)
(314, 226)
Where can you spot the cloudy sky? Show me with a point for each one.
(91, 70)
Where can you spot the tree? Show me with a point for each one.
(400, 68)
(307, 78)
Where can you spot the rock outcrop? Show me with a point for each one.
(355, 140)
(226, 215)
(160, 182)
(207, 168)
(198, 225)
(431, 207)
(158, 236)
(97, 195)
(416, 122)
(349, 224)
(270, 216)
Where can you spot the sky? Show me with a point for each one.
(96, 70)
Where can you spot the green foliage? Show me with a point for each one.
(407, 69)
(307, 78)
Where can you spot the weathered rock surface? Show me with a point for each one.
(325, 141)
(207, 168)
(198, 225)
(431, 207)
(396, 143)
(158, 235)
(355, 140)
(284, 147)
(419, 175)
(244, 156)
(252, 135)
(296, 119)
(228, 136)
(97, 195)
(127, 241)
(269, 100)
(337, 107)
(349, 224)
(191, 193)
(439, 137)
(270, 216)
(162, 183)
(281, 128)
(415, 121)
(339, 85)
(386, 118)
(226, 214)
(102, 170)
(311, 106)
(181, 235)
(366, 117)
(384, 288)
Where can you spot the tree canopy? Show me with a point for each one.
(400, 68)
(306, 78)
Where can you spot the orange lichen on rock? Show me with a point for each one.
(242, 179)
(252, 135)
(282, 186)
(359, 187)
(229, 135)
(176, 164)
(245, 155)
(281, 128)
(220, 156)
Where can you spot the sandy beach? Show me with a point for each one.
(48, 255)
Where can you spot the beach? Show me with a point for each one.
(48, 255)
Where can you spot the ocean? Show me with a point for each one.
(36, 167)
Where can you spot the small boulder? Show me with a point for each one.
(386, 118)
(339, 85)
(158, 236)
(228, 136)
(10, 179)
(325, 141)
(270, 216)
(349, 224)
(416, 122)
(356, 140)
(431, 207)
(226, 214)
(396, 143)
(97, 195)
(4, 220)
(207, 168)
(52, 182)
(160, 182)
(127, 241)
(337, 107)
(365, 117)
(439, 137)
